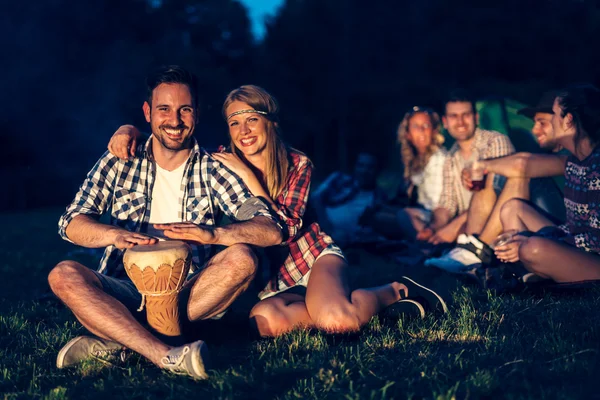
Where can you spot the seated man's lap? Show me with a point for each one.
(124, 291)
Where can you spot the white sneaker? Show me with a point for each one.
(190, 359)
(457, 260)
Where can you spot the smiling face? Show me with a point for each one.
(172, 116)
(543, 131)
(420, 131)
(248, 130)
(460, 120)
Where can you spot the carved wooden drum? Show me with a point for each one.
(158, 272)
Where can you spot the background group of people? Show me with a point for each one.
(168, 187)
(513, 192)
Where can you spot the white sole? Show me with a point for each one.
(198, 360)
(60, 358)
(442, 302)
(416, 304)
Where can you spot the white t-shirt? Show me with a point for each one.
(166, 193)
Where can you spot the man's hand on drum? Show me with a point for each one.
(124, 141)
(189, 232)
(509, 252)
(125, 240)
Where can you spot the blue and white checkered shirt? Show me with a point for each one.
(123, 188)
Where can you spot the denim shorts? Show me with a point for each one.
(124, 291)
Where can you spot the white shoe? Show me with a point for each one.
(457, 260)
(190, 359)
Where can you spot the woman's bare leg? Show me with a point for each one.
(521, 216)
(558, 261)
(329, 305)
(280, 314)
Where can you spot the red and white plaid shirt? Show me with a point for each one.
(294, 258)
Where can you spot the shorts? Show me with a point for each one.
(499, 182)
(127, 294)
(300, 286)
(124, 291)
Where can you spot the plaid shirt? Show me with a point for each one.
(124, 188)
(294, 258)
(489, 144)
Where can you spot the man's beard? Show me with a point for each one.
(171, 144)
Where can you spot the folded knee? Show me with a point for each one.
(269, 320)
(530, 250)
(511, 208)
(66, 276)
(242, 262)
(337, 320)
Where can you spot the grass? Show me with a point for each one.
(514, 346)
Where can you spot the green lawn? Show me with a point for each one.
(520, 346)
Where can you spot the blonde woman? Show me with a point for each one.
(308, 285)
(423, 157)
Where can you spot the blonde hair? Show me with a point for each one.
(277, 162)
(412, 161)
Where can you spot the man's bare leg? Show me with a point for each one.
(514, 188)
(481, 207)
(227, 275)
(101, 314)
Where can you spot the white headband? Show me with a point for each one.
(250, 110)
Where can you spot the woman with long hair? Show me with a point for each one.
(423, 157)
(308, 286)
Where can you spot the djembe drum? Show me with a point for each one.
(158, 272)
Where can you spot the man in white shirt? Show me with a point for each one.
(170, 185)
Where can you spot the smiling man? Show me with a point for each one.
(170, 186)
(461, 120)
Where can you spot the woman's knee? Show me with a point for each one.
(337, 319)
(269, 319)
(530, 251)
(68, 276)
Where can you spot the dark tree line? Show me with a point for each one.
(344, 70)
